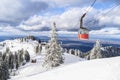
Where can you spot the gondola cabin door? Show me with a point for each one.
(83, 34)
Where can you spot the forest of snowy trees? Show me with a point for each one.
(96, 52)
(10, 62)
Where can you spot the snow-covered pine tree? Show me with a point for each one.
(95, 52)
(20, 57)
(1, 70)
(36, 49)
(4, 73)
(11, 61)
(53, 56)
(70, 51)
(4, 55)
(27, 56)
(80, 53)
(16, 60)
(7, 49)
(40, 48)
(1, 57)
(73, 52)
(76, 52)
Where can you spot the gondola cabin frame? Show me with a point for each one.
(83, 34)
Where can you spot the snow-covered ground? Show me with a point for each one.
(15, 45)
(31, 69)
(73, 68)
(99, 69)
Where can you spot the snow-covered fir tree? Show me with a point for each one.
(76, 52)
(20, 57)
(73, 52)
(1, 58)
(27, 56)
(70, 51)
(11, 61)
(95, 53)
(38, 49)
(4, 73)
(16, 65)
(53, 56)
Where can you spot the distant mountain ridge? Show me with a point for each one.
(70, 43)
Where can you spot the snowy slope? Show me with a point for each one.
(31, 69)
(99, 69)
(73, 67)
(15, 45)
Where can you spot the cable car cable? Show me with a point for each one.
(90, 6)
(108, 11)
(103, 14)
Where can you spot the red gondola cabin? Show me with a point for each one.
(83, 34)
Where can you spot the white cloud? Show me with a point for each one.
(35, 23)
(69, 3)
(8, 9)
(106, 31)
(10, 30)
(68, 20)
(66, 3)
(14, 11)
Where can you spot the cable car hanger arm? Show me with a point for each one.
(81, 20)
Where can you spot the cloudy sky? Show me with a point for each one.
(22, 17)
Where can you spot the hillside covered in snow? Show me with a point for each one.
(73, 67)
(36, 51)
(99, 69)
(19, 44)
